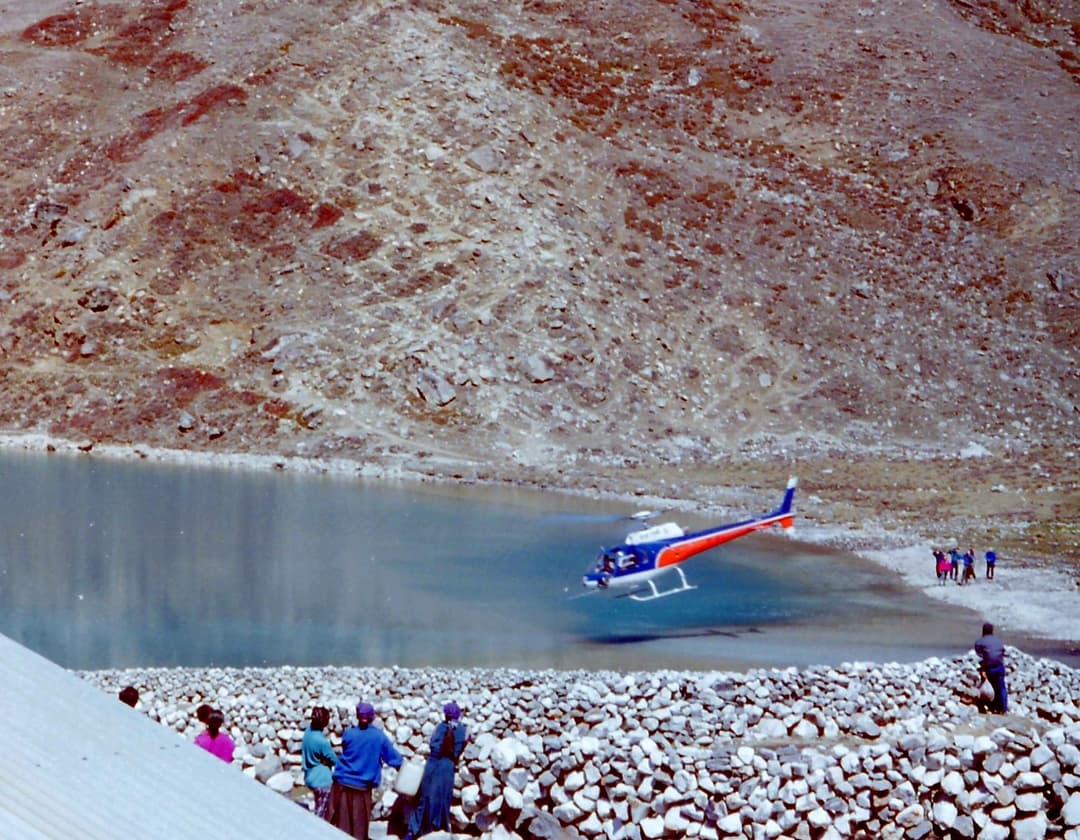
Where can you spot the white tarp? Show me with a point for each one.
(75, 762)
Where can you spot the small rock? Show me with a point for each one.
(281, 782)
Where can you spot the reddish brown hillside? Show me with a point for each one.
(548, 239)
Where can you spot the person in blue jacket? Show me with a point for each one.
(954, 563)
(364, 750)
(319, 759)
(448, 741)
(991, 652)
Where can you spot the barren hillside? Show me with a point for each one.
(658, 246)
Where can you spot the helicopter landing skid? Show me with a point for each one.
(653, 593)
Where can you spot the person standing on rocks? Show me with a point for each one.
(319, 759)
(991, 653)
(448, 741)
(213, 740)
(364, 749)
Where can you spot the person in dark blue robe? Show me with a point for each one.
(448, 741)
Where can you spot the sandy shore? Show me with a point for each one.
(1034, 601)
(1037, 601)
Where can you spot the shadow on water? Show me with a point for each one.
(704, 632)
(114, 564)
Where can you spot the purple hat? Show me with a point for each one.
(365, 711)
(452, 710)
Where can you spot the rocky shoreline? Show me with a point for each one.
(860, 751)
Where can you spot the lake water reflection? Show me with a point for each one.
(114, 564)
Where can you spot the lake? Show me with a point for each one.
(109, 563)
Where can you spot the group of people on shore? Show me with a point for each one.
(342, 784)
(960, 567)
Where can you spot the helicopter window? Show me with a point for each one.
(626, 560)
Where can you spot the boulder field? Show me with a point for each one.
(861, 750)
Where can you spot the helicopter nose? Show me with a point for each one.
(588, 582)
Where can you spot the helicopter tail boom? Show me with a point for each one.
(682, 549)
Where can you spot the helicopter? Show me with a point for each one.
(630, 569)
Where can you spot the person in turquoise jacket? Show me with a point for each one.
(319, 759)
(364, 750)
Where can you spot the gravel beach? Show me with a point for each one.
(860, 750)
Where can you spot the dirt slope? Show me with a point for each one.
(661, 247)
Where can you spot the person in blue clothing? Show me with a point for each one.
(432, 812)
(991, 652)
(969, 567)
(991, 564)
(319, 759)
(954, 563)
(364, 750)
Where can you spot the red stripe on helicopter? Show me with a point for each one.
(676, 553)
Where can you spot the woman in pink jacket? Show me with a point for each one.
(213, 740)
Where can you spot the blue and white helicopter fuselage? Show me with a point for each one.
(630, 568)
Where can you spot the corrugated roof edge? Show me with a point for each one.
(77, 762)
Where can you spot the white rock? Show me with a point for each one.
(769, 728)
(944, 813)
(513, 798)
(675, 821)
(1071, 812)
(652, 826)
(994, 831)
(574, 781)
(684, 781)
(281, 782)
(517, 778)
(1029, 803)
(953, 783)
(804, 729)
(504, 754)
(911, 816)
(1029, 781)
(1032, 828)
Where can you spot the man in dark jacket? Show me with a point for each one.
(991, 653)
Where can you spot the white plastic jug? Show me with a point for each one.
(407, 782)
